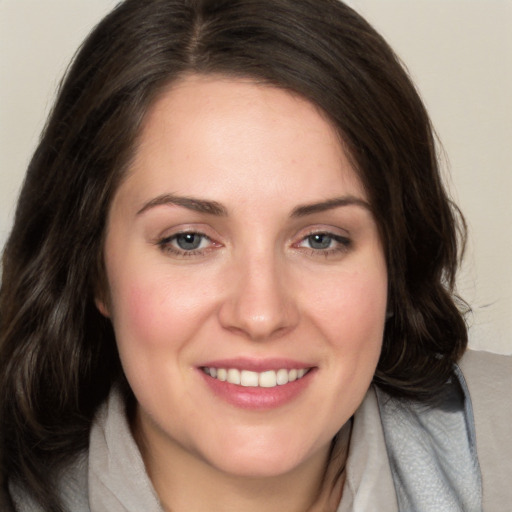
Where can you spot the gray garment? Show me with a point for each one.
(432, 451)
(118, 481)
(112, 477)
(408, 457)
(489, 380)
(369, 483)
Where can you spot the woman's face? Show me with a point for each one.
(246, 279)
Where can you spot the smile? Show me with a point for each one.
(247, 378)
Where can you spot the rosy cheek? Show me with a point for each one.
(156, 312)
(141, 309)
(355, 309)
(136, 315)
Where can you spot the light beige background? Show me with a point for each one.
(458, 51)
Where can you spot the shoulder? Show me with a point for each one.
(489, 381)
(488, 369)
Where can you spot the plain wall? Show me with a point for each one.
(459, 53)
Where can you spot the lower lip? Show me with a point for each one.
(257, 398)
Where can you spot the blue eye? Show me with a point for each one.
(325, 243)
(320, 241)
(186, 243)
(189, 241)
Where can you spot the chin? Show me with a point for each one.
(263, 456)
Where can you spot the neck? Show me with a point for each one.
(184, 483)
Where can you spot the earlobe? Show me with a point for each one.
(100, 290)
(102, 307)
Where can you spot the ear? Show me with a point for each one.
(102, 298)
(102, 306)
(100, 289)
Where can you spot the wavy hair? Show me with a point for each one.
(58, 356)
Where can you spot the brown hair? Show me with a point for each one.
(58, 357)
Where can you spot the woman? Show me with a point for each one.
(230, 280)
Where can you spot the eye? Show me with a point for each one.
(320, 241)
(325, 243)
(189, 241)
(186, 244)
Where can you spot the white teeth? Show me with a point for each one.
(282, 376)
(247, 378)
(233, 376)
(268, 379)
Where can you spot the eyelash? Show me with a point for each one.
(166, 246)
(343, 244)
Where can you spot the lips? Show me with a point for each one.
(256, 384)
(248, 378)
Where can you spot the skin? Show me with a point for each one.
(257, 287)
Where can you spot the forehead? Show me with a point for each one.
(205, 134)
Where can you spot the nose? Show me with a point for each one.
(260, 303)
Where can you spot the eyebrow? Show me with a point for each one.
(217, 209)
(197, 205)
(329, 204)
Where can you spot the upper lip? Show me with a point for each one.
(257, 365)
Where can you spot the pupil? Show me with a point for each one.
(188, 241)
(320, 241)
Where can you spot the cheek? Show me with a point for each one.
(351, 317)
(352, 308)
(152, 326)
(145, 315)
(141, 315)
(154, 309)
